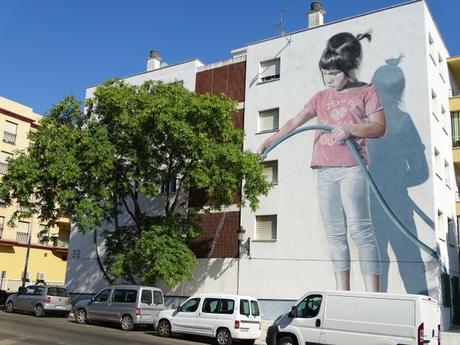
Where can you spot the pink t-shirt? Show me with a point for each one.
(337, 108)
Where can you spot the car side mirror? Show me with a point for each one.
(93, 298)
(178, 308)
(293, 312)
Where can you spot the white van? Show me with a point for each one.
(223, 317)
(355, 318)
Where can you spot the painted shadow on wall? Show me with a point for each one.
(398, 162)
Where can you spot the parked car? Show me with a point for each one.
(41, 300)
(3, 297)
(128, 305)
(358, 318)
(223, 317)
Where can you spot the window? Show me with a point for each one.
(146, 297)
(447, 173)
(2, 221)
(157, 297)
(244, 307)
(434, 105)
(441, 67)
(269, 70)
(268, 120)
(270, 171)
(124, 296)
(57, 291)
(437, 162)
(455, 125)
(102, 296)
(22, 232)
(255, 308)
(226, 306)
(190, 306)
(210, 305)
(431, 48)
(9, 134)
(4, 157)
(441, 232)
(309, 307)
(168, 187)
(266, 227)
(39, 290)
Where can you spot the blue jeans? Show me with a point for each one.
(344, 203)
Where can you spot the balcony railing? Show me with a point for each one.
(60, 243)
(9, 137)
(3, 167)
(22, 237)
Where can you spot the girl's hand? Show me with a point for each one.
(341, 133)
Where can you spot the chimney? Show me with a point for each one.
(154, 61)
(316, 14)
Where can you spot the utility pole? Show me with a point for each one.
(29, 239)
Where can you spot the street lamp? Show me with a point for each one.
(244, 247)
(29, 238)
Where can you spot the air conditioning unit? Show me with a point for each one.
(26, 276)
(41, 276)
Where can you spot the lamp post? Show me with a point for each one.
(243, 248)
(29, 238)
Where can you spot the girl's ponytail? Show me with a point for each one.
(366, 35)
(343, 52)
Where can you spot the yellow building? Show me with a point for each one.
(47, 261)
(454, 106)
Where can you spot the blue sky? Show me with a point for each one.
(53, 48)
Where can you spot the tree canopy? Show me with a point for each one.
(127, 146)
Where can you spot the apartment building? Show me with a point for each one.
(284, 250)
(46, 261)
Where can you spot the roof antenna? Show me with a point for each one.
(280, 22)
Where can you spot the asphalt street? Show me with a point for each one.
(22, 329)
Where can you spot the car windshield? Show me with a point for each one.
(57, 291)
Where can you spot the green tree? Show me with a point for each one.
(128, 143)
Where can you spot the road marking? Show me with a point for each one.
(13, 340)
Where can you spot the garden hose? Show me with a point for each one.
(373, 186)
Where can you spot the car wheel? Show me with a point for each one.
(39, 311)
(80, 316)
(164, 329)
(66, 314)
(9, 307)
(223, 337)
(286, 341)
(127, 323)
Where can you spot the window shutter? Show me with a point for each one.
(270, 170)
(270, 69)
(23, 227)
(11, 127)
(4, 156)
(266, 227)
(268, 120)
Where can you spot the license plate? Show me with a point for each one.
(60, 307)
(146, 317)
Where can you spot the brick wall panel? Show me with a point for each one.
(236, 81)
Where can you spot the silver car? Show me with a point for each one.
(40, 299)
(128, 305)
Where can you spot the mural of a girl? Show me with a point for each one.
(354, 109)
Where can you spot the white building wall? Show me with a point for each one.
(401, 162)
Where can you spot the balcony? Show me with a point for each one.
(454, 92)
(9, 137)
(22, 237)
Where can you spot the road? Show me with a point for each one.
(21, 329)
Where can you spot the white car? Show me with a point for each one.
(223, 317)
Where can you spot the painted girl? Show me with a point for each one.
(354, 110)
